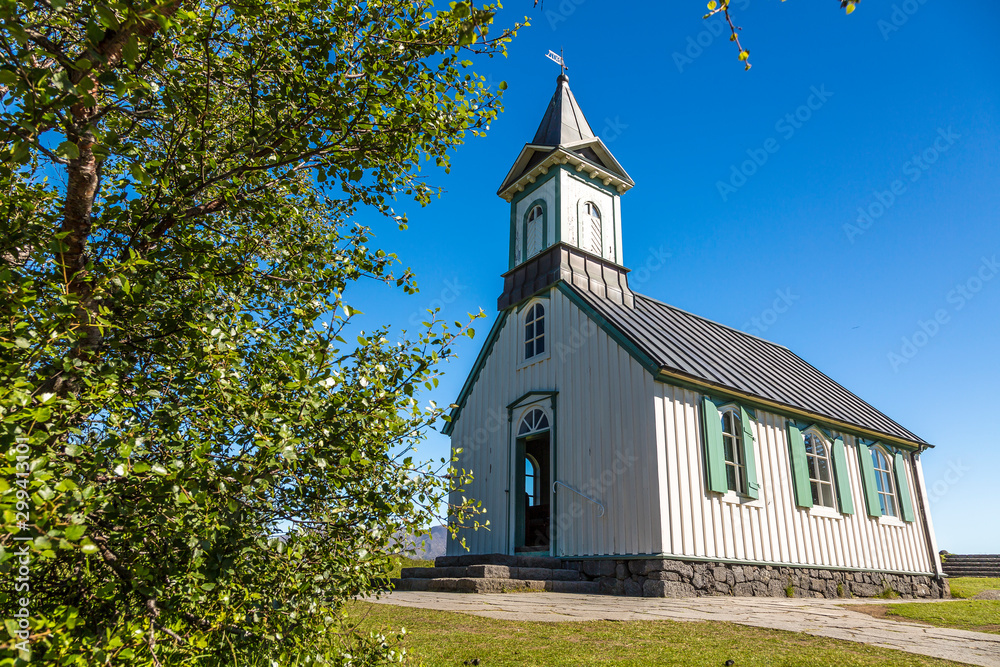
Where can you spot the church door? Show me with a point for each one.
(533, 485)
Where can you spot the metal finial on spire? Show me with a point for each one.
(558, 59)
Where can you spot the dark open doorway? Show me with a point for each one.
(534, 492)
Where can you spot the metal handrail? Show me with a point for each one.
(596, 502)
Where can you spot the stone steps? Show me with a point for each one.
(490, 572)
(493, 585)
(971, 565)
(499, 559)
(496, 573)
(972, 572)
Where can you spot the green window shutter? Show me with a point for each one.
(902, 486)
(868, 478)
(715, 456)
(800, 467)
(841, 477)
(753, 487)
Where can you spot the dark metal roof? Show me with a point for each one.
(684, 343)
(563, 121)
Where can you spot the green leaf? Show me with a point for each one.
(68, 149)
(75, 532)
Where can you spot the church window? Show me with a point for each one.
(884, 482)
(531, 480)
(730, 465)
(534, 231)
(732, 443)
(533, 422)
(534, 331)
(820, 470)
(592, 224)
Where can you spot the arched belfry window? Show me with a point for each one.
(884, 482)
(594, 229)
(534, 331)
(534, 231)
(534, 422)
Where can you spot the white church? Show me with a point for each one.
(652, 450)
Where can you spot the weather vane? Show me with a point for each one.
(557, 59)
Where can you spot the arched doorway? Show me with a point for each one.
(533, 483)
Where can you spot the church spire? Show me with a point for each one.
(564, 137)
(563, 122)
(564, 192)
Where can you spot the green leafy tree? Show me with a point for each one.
(181, 383)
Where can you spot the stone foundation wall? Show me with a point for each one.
(677, 578)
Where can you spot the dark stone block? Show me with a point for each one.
(633, 588)
(600, 568)
(610, 586)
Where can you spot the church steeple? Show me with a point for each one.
(564, 190)
(563, 122)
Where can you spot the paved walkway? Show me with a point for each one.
(825, 618)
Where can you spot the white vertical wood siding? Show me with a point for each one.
(604, 436)
(635, 444)
(772, 529)
(575, 191)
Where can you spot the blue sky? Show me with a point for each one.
(891, 112)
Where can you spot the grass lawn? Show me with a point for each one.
(978, 615)
(966, 587)
(446, 639)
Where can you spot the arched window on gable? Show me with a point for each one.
(534, 331)
(884, 482)
(534, 231)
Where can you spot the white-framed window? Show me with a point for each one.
(820, 469)
(533, 421)
(882, 464)
(534, 331)
(732, 445)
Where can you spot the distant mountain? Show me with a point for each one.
(426, 546)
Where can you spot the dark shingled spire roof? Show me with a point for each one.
(563, 122)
